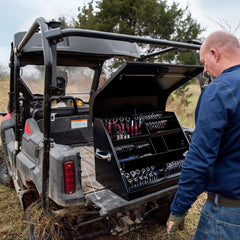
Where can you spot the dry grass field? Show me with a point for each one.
(13, 220)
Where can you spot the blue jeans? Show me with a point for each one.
(218, 223)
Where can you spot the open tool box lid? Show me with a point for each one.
(140, 86)
(137, 93)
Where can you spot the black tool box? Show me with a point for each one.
(139, 147)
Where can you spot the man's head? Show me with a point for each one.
(219, 51)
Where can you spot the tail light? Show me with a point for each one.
(69, 177)
(27, 129)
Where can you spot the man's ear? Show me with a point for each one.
(215, 54)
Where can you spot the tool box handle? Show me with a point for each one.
(101, 154)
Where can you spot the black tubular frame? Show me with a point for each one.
(51, 34)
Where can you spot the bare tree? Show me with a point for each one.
(223, 23)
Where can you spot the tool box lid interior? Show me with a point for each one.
(140, 86)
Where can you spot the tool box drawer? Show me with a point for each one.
(139, 147)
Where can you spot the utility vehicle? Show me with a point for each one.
(101, 152)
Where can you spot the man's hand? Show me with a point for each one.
(174, 223)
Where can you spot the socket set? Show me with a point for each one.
(138, 177)
(156, 125)
(158, 121)
(133, 150)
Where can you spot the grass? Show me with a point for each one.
(13, 221)
(12, 217)
(4, 88)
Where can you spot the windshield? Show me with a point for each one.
(79, 80)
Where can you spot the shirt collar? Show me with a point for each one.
(232, 68)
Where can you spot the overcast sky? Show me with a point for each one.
(18, 15)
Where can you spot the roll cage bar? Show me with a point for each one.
(51, 34)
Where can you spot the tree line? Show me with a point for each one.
(149, 18)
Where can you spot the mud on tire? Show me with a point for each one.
(5, 178)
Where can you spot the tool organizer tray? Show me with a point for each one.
(140, 158)
(139, 147)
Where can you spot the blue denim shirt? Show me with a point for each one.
(213, 161)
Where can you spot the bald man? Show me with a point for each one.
(212, 163)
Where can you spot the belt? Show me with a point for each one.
(223, 201)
